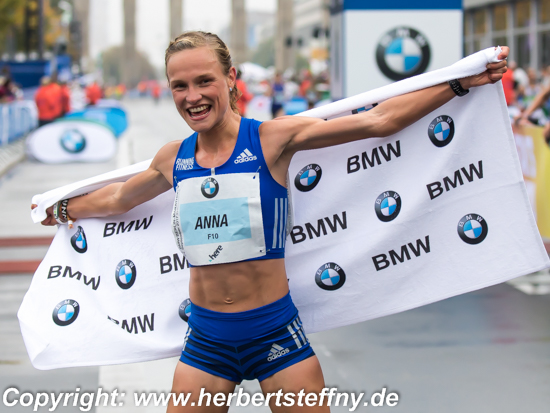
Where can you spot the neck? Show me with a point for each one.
(221, 136)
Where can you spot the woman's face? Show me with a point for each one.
(199, 87)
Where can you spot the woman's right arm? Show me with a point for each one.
(118, 198)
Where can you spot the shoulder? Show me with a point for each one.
(166, 156)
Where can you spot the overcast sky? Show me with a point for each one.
(152, 23)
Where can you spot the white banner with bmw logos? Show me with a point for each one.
(380, 226)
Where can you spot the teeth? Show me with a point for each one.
(198, 109)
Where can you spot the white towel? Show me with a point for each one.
(380, 226)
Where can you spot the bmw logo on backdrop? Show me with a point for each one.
(403, 52)
(330, 276)
(308, 177)
(125, 274)
(65, 312)
(210, 187)
(472, 229)
(387, 206)
(441, 131)
(78, 241)
(73, 141)
(185, 310)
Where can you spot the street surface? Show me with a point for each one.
(487, 351)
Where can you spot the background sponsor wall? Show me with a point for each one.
(377, 43)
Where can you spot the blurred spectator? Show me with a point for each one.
(65, 98)
(48, 100)
(155, 92)
(307, 89)
(534, 113)
(528, 93)
(509, 84)
(277, 95)
(142, 88)
(245, 95)
(93, 93)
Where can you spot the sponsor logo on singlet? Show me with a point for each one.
(245, 156)
(184, 164)
(472, 229)
(276, 352)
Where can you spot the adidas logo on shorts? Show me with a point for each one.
(245, 156)
(276, 352)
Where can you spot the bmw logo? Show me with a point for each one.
(308, 177)
(387, 206)
(210, 187)
(441, 131)
(125, 274)
(78, 241)
(330, 276)
(403, 52)
(185, 310)
(472, 229)
(73, 141)
(65, 312)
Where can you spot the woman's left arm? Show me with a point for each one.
(389, 117)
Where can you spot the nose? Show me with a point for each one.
(193, 95)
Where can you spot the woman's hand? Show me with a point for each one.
(50, 220)
(493, 73)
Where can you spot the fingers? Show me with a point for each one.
(33, 206)
(504, 53)
(497, 65)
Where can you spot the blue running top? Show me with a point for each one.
(214, 223)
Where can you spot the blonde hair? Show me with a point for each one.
(196, 39)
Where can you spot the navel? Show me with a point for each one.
(228, 301)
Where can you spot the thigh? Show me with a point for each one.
(200, 384)
(305, 375)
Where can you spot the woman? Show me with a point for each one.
(243, 324)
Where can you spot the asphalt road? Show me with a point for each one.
(487, 351)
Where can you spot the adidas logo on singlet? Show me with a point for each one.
(276, 352)
(245, 156)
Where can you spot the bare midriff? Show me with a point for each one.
(240, 286)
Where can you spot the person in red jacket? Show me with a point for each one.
(48, 100)
(245, 97)
(65, 98)
(93, 93)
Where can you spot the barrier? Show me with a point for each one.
(16, 120)
(534, 156)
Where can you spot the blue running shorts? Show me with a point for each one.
(247, 345)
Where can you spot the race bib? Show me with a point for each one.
(218, 219)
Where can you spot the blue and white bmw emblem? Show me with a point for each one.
(73, 141)
(387, 206)
(330, 276)
(185, 310)
(125, 274)
(472, 229)
(78, 241)
(65, 312)
(441, 131)
(308, 177)
(403, 52)
(210, 187)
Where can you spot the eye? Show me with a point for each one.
(205, 81)
(178, 86)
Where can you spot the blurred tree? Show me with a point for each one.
(265, 53)
(113, 63)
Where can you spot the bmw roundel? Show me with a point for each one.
(308, 177)
(387, 206)
(125, 274)
(185, 309)
(403, 52)
(330, 276)
(73, 141)
(210, 187)
(65, 312)
(441, 131)
(472, 229)
(78, 241)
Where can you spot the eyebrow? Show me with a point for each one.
(198, 78)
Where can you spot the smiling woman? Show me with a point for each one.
(230, 217)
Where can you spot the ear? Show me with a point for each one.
(232, 77)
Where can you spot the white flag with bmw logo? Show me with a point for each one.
(380, 226)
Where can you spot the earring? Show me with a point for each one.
(231, 89)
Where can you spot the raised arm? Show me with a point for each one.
(120, 197)
(537, 102)
(293, 134)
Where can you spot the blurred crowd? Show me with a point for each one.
(527, 94)
(9, 91)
